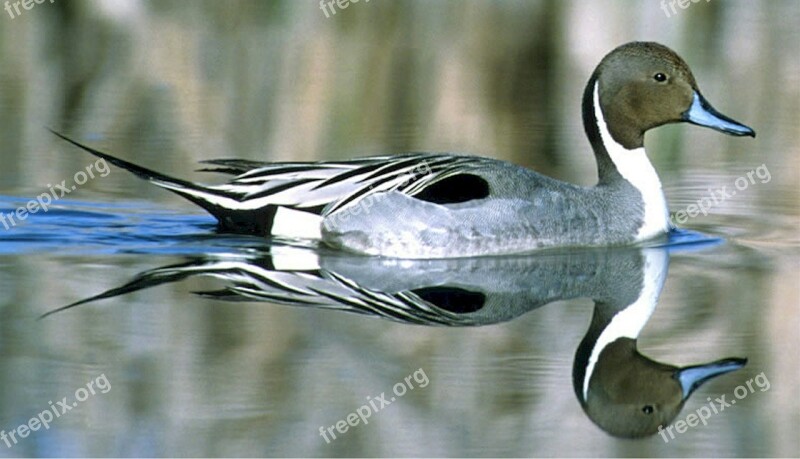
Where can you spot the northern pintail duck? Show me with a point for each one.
(438, 205)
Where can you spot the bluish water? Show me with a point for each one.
(98, 228)
(76, 227)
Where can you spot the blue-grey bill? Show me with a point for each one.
(693, 377)
(702, 113)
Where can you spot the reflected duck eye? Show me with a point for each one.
(647, 409)
(660, 77)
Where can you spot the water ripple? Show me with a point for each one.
(103, 228)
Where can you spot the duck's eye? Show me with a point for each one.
(660, 77)
(647, 409)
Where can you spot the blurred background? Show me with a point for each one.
(168, 83)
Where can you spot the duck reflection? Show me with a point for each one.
(624, 392)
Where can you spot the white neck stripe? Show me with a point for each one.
(634, 167)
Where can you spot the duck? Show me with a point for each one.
(448, 205)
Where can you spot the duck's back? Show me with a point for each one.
(510, 210)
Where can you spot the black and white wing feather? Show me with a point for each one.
(260, 193)
(330, 186)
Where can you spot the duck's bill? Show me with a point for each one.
(693, 377)
(702, 113)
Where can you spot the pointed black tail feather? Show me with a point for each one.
(147, 279)
(137, 170)
(218, 203)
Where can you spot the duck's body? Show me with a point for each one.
(445, 205)
(519, 211)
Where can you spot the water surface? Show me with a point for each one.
(218, 373)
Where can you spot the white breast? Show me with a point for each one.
(634, 167)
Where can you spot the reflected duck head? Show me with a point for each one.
(630, 395)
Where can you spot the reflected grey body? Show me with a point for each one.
(622, 391)
(510, 286)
